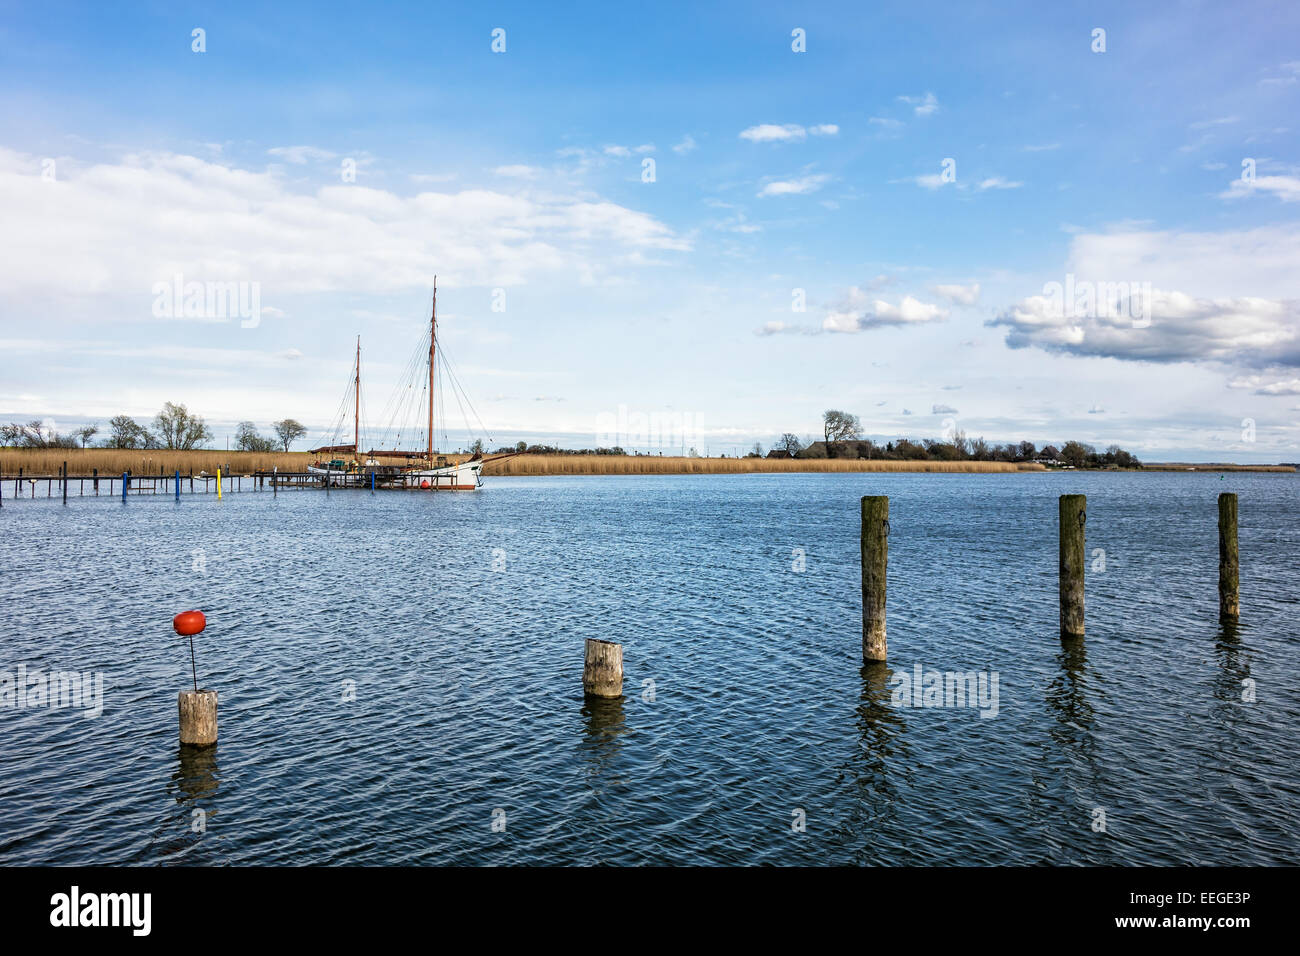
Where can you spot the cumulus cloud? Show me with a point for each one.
(856, 316)
(794, 187)
(214, 222)
(1245, 331)
(959, 294)
(997, 182)
(685, 146)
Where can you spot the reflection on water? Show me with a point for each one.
(194, 780)
(881, 753)
(604, 725)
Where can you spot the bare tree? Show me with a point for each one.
(179, 430)
(840, 426)
(789, 443)
(289, 431)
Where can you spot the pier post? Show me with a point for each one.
(2, 490)
(218, 484)
(124, 484)
(875, 564)
(275, 481)
(178, 484)
(1073, 516)
(198, 716)
(65, 482)
(95, 476)
(1229, 608)
(602, 672)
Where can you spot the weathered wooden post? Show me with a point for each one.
(875, 564)
(197, 708)
(1229, 609)
(1073, 516)
(65, 482)
(602, 672)
(95, 480)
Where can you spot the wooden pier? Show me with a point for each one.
(63, 485)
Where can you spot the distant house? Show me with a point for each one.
(779, 453)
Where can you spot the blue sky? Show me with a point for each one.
(127, 158)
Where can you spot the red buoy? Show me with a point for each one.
(189, 623)
(425, 483)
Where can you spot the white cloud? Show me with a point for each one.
(620, 151)
(772, 133)
(63, 240)
(959, 294)
(921, 105)
(826, 129)
(1243, 331)
(685, 146)
(299, 155)
(997, 182)
(1045, 147)
(942, 410)
(931, 181)
(794, 187)
(1261, 386)
(1286, 188)
(517, 171)
(850, 317)
(885, 121)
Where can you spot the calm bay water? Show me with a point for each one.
(460, 619)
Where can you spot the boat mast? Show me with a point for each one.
(356, 417)
(433, 336)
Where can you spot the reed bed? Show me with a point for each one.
(655, 465)
(115, 461)
(1193, 466)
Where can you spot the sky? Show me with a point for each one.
(668, 226)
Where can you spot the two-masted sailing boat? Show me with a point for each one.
(422, 470)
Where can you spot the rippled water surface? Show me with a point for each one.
(460, 618)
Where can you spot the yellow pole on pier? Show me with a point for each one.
(218, 484)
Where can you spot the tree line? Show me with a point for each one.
(842, 438)
(174, 428)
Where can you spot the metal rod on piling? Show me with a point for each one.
(1229, 608)
(1073, 516)
(875, 565)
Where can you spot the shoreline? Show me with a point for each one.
(43, 463)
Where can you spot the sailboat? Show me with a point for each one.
(424, 469)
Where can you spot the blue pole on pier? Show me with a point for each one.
(372, 482)
(124, 482)
(178, 484)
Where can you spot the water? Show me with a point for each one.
(466, 662)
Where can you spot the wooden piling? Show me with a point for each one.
(1073, 516)
(65, 482)
(1229, 608)
(875, 565)
(602, 672)
(94, 480)
(198, 716)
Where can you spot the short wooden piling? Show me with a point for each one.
(1229, 608)
(198, 715)
(875, 565)
(94, 480)
(178, 484)
(1073, 516)
(602, 673)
